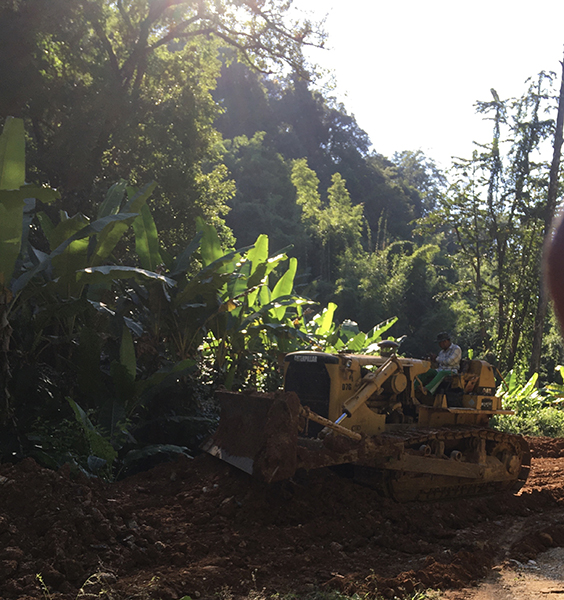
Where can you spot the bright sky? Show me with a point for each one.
(411, 70)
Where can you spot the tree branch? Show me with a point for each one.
(93, 14)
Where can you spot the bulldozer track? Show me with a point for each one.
(510, 451)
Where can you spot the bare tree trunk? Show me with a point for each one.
(542, 306)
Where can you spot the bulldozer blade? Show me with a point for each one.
(258, 433)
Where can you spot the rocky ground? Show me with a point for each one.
(535, 580)
(200, 528)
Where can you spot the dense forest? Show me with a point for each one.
(181, 205)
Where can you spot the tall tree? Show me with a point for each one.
(264, 201)
(493, 208)
(124, 88)
(549, 212)
(420, 174)
(336, 224)
(300, 122)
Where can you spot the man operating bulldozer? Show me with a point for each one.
(447, 362)
(448, 359)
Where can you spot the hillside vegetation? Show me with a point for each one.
(181, 206)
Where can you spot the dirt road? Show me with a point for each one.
(537, 579)
(200, 528)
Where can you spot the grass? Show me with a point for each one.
(329, 595)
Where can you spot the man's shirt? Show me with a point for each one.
(449, 359)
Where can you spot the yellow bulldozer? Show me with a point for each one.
(373, 416)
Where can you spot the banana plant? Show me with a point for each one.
(518, 396)
(44, 291)
(77, 244)
(16, 199)
(263, 318)
(64, 303)
(168, 311)
(556, 390)
(259, 308)
(333, 337)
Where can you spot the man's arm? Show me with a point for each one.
(450, 358)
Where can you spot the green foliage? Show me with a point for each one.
(16, 199)
(336, 224)
(538, 411)
(519, 397)
(556, 390)
(405, 280)
(492, 222)
(256, 317)
(264, 201)
(13, 195)
(12, 155)
(545, 421)
(334, 337)
(136, 100)
(100, 447)
(137, 313)
(420, 176)
(124, 336)
(306, 183)
(55, 443)
(285, 120)
(53, 311)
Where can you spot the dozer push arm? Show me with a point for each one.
(307, 413)
(370, 384)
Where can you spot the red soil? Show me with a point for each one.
(200, 528)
